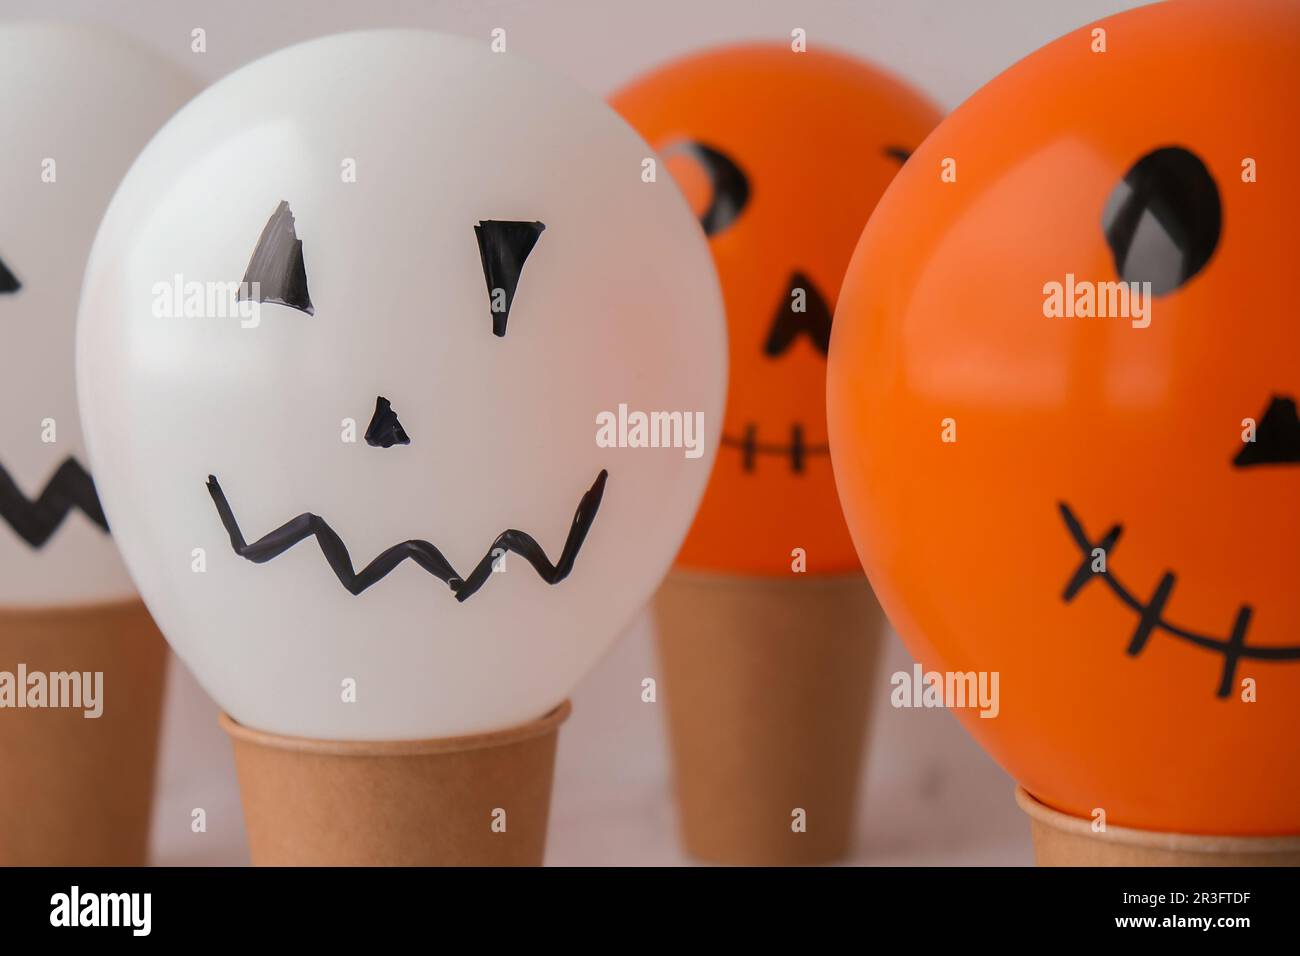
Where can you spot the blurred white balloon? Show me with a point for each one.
(76, 106)
(381, 152)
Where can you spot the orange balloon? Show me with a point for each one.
(1052, 483)
(783, 156)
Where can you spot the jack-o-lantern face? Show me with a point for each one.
(383, 461)
(277, 274)
(783, 156)
(76, 106)
(1088, 486)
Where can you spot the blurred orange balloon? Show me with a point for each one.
(783, 156)
(1104, 510)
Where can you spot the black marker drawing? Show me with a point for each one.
(1162, 221)
(797, 450)
(421, 552)
(729, 184)
(8, 281)
(277, 265)
(384, 430)
(1277, 437)
(787, 325)
(1150, 619)
(503, 246)
(35, 521)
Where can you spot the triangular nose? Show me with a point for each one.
(802, 311)
(384, 430)
(8, 281)
(1277, 437)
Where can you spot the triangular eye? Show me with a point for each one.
(728, 184)
(277, 267)
(1277, 437)
(1162, 221)
(503, 246)
(384, 430)
(8, 281)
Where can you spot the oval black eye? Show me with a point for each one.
(730, 185)
(1162, 221)
(8, 281)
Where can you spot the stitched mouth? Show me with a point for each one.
(423, 553)
(1150, 613)
(36, 520)
(797, 449)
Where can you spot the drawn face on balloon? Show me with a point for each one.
(382, 449)
(77, 106)
(783, 157)
(1063, 417)
(70, 488)
(277, 274)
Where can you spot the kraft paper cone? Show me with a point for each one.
(76, 791)
(768, 684)
(398, 803)
(1064, 840)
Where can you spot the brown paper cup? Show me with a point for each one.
(76, 791)
(768, 683)
(1064, 840)
(481, 800)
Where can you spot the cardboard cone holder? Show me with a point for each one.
(479, 800)
(1064, 840)
(768, 684)
(78, 791)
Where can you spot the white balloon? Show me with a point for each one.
(76, 106)
(386, 149)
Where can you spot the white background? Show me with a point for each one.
(930, 795)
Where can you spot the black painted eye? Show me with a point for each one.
(8, 281)
(898, 154)
(384, 430)
(728, 184)
(1162, 221)
(802, 312)
(277, 267)
(1277, 437)
(504, 245)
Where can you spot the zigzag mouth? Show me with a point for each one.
(1150, 613)
(797, 450)
(35, 521)
(422, 552)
